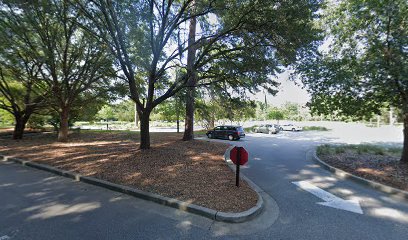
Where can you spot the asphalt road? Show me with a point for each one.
(39, 205)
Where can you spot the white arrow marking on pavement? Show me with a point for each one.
(5, 237)
(329, 199)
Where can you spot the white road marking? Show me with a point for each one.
(329, 199)
(5, 237)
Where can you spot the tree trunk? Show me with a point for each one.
(136, 118)
(63, 131)
(190, 96)
(19, 126)
(212, 124)
(404, 156)
(189, 122)
(144, 130)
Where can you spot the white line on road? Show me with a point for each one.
(329, 199)
(5, 237)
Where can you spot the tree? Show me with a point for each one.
(240, 43)
(366, 66)
(106, 113)
(74, 65)
(172, 109)
(276, 114)
(20, 98)
(22, 92)
(291, 110)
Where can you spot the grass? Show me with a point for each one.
(315, 128)
(327, 149)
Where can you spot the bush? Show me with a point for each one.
(315, 128)
(358, 149)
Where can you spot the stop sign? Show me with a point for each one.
(239, 152)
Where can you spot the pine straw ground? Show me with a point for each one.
(192, 171)
(375, 163)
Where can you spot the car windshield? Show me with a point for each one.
(240, 129)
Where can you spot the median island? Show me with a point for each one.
(190, 171)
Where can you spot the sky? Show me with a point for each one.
(288, 92)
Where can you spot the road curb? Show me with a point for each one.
(170, 202)
(250, 213)
(394, 192)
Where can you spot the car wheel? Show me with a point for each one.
(270, 132)
(209, 135)
(230, 137)
(293, 129)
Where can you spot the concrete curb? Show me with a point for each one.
(171, 202)
(393, 192)
(250, 213)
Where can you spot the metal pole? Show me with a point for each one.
(238, 163)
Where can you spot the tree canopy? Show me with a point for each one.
(366, 64)
(239, 43)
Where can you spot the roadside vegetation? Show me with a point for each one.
(315, 128)
(373, 162)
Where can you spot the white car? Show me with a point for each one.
(291, 127)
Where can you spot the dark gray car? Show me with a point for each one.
(227, 132)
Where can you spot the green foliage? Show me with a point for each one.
(358, 149)
(38, 121)
(106, 113)
(57, 64)
(6, 119)
(122, 111)
(314, 128)
(366, 66)
(276, 114)
(223, 108)
(172, 109)
(240, 45)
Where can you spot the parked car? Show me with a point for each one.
(291, 127)
(227, 132)
(267, 128)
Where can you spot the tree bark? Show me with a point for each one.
(212, 122)
(144, 130)
(63, 131)
(190, 95)
(19, 127)
(404, 156)
(189, 121)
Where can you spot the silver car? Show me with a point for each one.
(267, 128)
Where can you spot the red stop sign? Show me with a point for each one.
(242, 153)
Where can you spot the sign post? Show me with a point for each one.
(239, 156)
(237, 166)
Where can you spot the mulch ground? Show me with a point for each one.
(380, 168)
(192, 171)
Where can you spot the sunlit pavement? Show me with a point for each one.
(39, 205)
